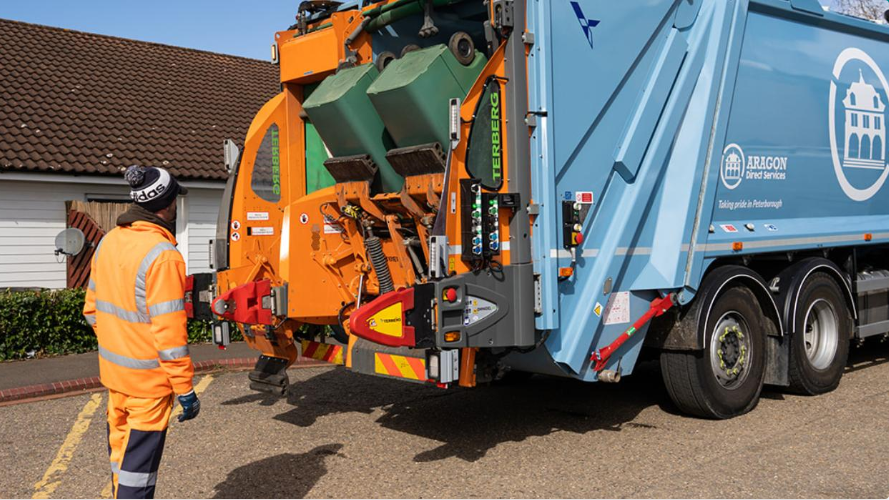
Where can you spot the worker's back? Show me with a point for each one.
(137, 283)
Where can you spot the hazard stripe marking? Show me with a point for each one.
(309, 349)
(400, 366)
(323, 352)
(419, 367)
(384, 364)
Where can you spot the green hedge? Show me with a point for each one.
(51, 323)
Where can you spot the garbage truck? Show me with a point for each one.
(451, 192)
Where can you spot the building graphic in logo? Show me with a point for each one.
(585, 23)
(863, 127)
(734, 163)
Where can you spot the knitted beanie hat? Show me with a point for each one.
(152, 188)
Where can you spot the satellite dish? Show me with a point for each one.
(70, 242)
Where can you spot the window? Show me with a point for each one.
(854, 119)
(866, 121)
(878, 123)
(484, 159)
(266, 178)
(853, 99)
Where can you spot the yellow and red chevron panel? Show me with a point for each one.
(323, 352)
(400, 366)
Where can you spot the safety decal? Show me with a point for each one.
(236, 225)
(771, 227)
(400, 366)
(729, 228)
(304, 218)
(598, 309)
(262, 231)
(236, 236)
(584, 197)
(257, 216)
(617, 311)
(331, 226)
(322, 352)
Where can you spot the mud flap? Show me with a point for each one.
(777, 361)
(270, 375)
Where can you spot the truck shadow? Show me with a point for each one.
(287, 475)
(470, 422)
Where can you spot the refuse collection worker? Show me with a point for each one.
(136, 305)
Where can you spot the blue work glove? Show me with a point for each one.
(191, 406)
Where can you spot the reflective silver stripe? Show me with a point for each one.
(90, 318)
(141, 288)
(131, 316)
(136, 479)
(115, 468)
(92, 285)
(98, 247)
(136, 364)
(173, 353)
(167, 307)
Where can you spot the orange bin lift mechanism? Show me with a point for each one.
(243, 304)
(311, 57)
(383, 321)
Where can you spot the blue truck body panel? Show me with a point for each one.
(695, 125)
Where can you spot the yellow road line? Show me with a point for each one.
(52, 477)
(198, 388)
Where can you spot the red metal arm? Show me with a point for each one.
(658, 307)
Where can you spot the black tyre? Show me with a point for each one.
(819, 346)
(725, 379)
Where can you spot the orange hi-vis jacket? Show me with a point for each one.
(136, 304)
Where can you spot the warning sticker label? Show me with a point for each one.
(617, 311)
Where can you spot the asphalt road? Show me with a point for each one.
(340, 434)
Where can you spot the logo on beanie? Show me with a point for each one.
(154, 190)
(148, 195)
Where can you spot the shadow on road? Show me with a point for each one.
(287, 475)
(469, 423)
(871, 352)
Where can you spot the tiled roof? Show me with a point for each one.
(73, 102)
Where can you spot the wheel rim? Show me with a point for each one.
(730, 350)
(821, 334)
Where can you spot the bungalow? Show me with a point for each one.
(77, 108)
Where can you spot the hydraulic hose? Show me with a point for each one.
(390, 13)
(381, 266)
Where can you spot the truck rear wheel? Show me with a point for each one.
(725, 379)
(819, 347)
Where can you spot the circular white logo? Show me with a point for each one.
(734, 164)
(862, 129)
(236, 225)
(304, 218)
(236, 236)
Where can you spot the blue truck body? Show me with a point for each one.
(698, 127)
